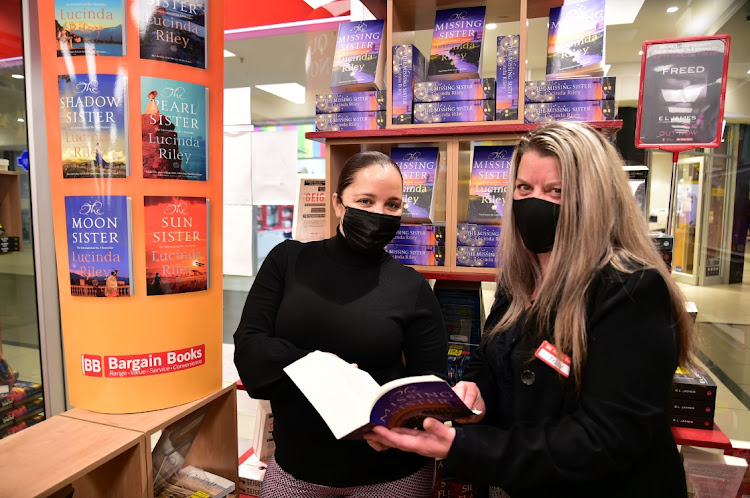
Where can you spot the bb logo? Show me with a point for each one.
(91, 365)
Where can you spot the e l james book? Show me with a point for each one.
(99, 245)
(89, 27)
(93, 125)
(177, 258)
(174, 31)
(174, 131)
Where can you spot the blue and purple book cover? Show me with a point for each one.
(584, 110)
(427, 255)
(506, 94)
(420, 235)
(99, 251)
(89, 27)
(476, 256)
(464, 89)
(346, 121)
(93, 125)
(490, 170)
(357, 61)
(418, 168)
(173, 129)
(454, 111)
(408, 69)
(470, 234)
(457, 44)
(373, 100)
(568, 90)
(575, 41)
(174, 31)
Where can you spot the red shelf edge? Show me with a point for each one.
(713, 438)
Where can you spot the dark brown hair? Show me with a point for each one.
(360, 161)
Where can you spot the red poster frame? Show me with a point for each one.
(677, 148)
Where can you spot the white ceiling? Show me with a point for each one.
(292, 58)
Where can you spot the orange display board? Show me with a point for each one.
(157, 341)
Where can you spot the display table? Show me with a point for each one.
(714, 438)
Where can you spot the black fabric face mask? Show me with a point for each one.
(368, 232)
(536, 220)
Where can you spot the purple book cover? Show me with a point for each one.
(408, 69)
(584, 110)
(457, 44)
(373, 100)
(464, 89)
(428, 255)
(476, 256)
(99, 252)
(345, 121)
(573, 89)
(454, 111)
(506, 94)
(470, 234)
(419, 235)
(575, 42)
(418, 167)
(490, 169)
(357, 55)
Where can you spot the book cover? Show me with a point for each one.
(93, 125)
(263, 441)
(177, 258)
(573, 89)
(351, 402)
(428, 255)
(19, 391)
(462, 309)
(174, 31)
(420, 235)
(373, 100)
(168, 455)
(694, 383)
(457, 44)
(695, 407)
(476, 256)
(419, 167)
(408, 69)
(455, 111)
(357, 61)
(459, 355)
(490, 169)
(251, 473)
(465, 89)
(690, 421)
(575, 41)
(469, 234)
(174, 129)
(584, 110)
(346, 121)
(192, 481)
(25, 424)
(100, 257)
(507, 83)
(89, 27)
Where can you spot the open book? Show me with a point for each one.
(351, 402)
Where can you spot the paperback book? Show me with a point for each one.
(463, 310)
(457, 44)
(346, 121)
(453, 112)
(351, 402)
(419, 166)
(690, 421)
(100, 256)
(575, 41)
(373, 100)
(409, 254)
(89, 27)
(192, 482)
(177, 258)
(490, 169)
(476, 256)
(93, 125)
(170, 451)
(693, 383)
(174, 129)
(459, 355)
(466, 89)
(357, 61)
(585, 110)
(694, 407)
(573, 89)
(469, 234)
(506, 94)
(420, 235)
(408, 70)
(174, 31)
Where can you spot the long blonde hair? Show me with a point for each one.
(600, 224)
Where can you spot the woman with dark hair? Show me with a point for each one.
(574, 374)
(346, 296)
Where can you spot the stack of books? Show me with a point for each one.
(251, 472)
(454, 90)
(693, 402)
(463, 314)
(574, 99)
(408, 70)
(357, 99)
(20, 407)
(506, 96)
(419, 245)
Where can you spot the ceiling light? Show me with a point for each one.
(640, 52)
(293, 92)
(17, 76)
(227, 53)
(20, 120)
(672, 9)
(492, 25)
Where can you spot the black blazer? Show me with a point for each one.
(541, 438)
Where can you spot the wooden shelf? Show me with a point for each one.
(94, 459)
(215, 446)
(608, 128)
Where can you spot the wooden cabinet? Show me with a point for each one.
(99, 454)
(412, 22)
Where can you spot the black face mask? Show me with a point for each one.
(368, 232)
(536, 220)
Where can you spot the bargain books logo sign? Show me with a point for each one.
(138, 365)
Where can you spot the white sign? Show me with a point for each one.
(310, 212)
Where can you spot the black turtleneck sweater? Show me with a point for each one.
(365, 309)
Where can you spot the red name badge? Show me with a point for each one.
(548, 354)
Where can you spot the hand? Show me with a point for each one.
(472, 397)
(434, 441)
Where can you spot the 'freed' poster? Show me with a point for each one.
(682, 85)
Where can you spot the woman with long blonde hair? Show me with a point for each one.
(574, 374)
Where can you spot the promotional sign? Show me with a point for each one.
(310, 212)
(681, 100)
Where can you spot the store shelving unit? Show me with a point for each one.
(10, 204)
